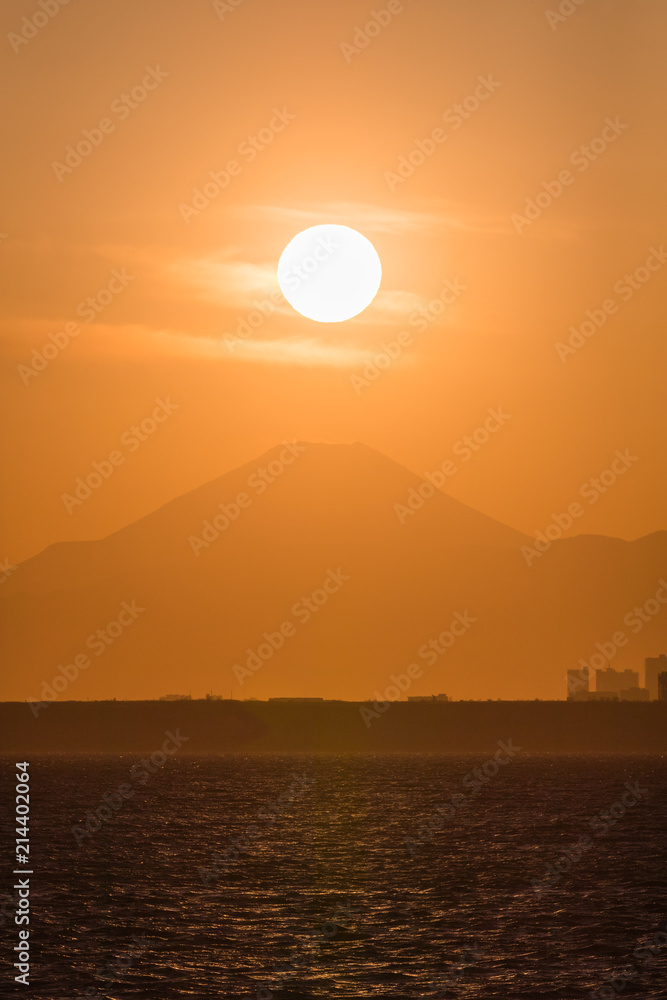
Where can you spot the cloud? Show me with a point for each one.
(308, 351)
(247, 285)
(240, 282)
(234, 283)
(137, 342)
(301, 351)
(187, 304)
(367, 218)
(395, 305)
(437, 216)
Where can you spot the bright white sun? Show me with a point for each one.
(329, 273)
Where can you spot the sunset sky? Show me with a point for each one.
(335, 124)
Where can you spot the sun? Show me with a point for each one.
(329, 273)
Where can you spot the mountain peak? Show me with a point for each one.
(218, 569)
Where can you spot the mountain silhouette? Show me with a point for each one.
(212, 575)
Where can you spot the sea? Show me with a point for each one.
(414, 876)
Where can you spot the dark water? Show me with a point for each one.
(326, 898)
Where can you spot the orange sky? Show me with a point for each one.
(218, 80)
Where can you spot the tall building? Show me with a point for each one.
(577, 681)
(616, 680)
(654, 665)
(662, 686)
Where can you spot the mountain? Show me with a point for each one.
(322, 540)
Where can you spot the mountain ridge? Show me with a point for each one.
(217, 572)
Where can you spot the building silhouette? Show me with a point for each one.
(662, 686)
(634, 694)
(428, 697)
(594, 696)
(616, 680)
(578, 682)
(296, 699)
(653, 667)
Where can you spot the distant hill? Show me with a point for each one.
(308, 512)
